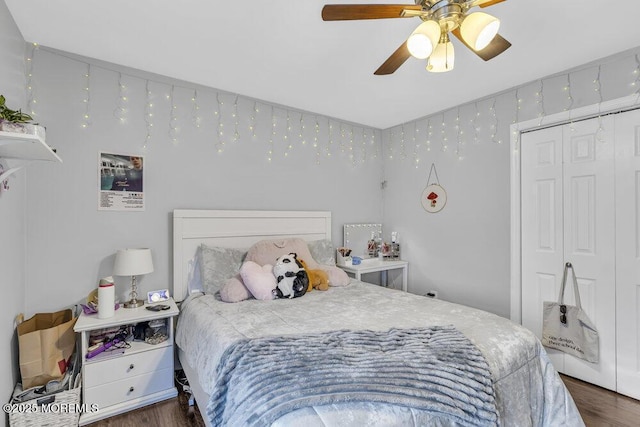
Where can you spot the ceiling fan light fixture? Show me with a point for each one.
(442, 58)
(478, 29)
(423, 39)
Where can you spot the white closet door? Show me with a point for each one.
(542, 225)
(568, 214)
(628, 251)
(589, 238)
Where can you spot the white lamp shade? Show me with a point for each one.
(478, 29)
(423, 39)
(442, 58)
(133, 262)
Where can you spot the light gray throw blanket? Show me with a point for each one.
(435, 369)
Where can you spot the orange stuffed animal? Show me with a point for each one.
(318, 279)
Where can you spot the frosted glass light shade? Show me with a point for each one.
(442, 58)
(133, 262)
(478, 29)
(423, 39)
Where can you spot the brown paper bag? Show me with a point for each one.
(45, 342)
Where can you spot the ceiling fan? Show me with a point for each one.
(430, 40)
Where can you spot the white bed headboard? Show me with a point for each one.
(237, 229)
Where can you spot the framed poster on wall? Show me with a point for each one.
(121, 182)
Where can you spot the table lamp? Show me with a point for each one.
(133, 262)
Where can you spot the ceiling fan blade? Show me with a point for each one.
(344, 12)
(490, 3)
(495, 48)
(394, 62)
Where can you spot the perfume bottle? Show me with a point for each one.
(386, 250)
(371, 246)
(395, 246)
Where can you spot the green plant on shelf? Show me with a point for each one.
(13, 116)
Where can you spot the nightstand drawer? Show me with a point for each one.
(129, 388)
(127, 366)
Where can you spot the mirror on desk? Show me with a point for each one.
(356, 237)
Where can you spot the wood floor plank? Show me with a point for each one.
(600, 407)
(173, 412)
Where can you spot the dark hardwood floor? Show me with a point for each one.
(598, 407)
(171, 413)
(603, 408)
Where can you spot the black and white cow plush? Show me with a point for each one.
(292, 278)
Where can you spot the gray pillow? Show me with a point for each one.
(322, 251)
(217, 265)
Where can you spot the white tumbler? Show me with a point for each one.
(106, 298)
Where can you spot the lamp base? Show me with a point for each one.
(134, 303)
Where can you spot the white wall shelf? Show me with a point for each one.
(24, 147)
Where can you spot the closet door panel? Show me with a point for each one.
(541, 208)
(628, 252)
(589, 238)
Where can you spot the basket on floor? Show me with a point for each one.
(61, 409)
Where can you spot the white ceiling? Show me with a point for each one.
(280, 51)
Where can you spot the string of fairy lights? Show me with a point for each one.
(539, 103)
(477, 121)
(148, 114)
(120, 111)
(195, 109)
(452, 131)
(31, 97)
(598, 88)
(173, 116)
(288, 127)
(87, 98)
(636, 72)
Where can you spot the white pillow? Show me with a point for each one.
(267, 251)
(218, 264)
(322, 251)
(258, 279)
(234, 290)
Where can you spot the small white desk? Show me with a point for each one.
(373, 265)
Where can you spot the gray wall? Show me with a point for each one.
(12, 211)
(71, 244)
(463, 251)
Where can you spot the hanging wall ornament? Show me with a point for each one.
(433, 197)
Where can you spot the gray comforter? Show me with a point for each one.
(436, 369)
(528, 390)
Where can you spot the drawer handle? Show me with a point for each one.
(131, 366)
(131, 389)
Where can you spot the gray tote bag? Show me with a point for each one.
(567, 328)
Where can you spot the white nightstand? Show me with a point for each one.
(372, 265)
(139, 377)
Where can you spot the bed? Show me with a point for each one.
(359, 354)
